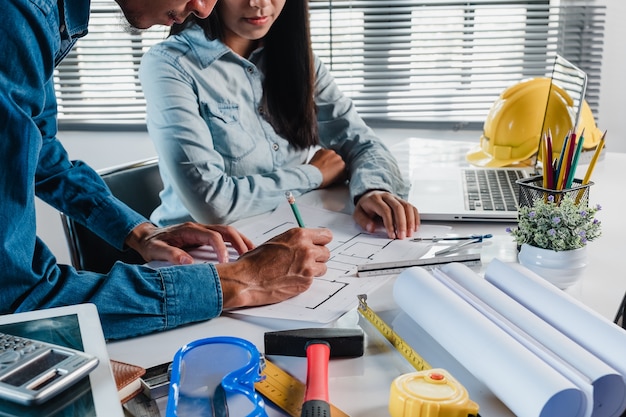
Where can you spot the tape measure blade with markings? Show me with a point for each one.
(461, 405)
(285, 391)
(401, 346)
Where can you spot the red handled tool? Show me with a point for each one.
(316, 403)
(318, 345)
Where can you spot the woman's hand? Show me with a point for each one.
(331, 165)
(381, 208)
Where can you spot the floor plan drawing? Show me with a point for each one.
(335, 292)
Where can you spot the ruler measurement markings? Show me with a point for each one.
(285, 391)
(387, 268)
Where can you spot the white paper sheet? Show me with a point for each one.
(547, 342)
(524, 382)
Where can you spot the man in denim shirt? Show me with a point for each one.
(131, 299)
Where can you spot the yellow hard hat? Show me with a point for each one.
(587, 123)
(514, 124)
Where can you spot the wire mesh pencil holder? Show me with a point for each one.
(531, 189)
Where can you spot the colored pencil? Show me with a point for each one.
(592, 165)
(572, 172)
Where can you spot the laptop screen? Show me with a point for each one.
(572, 80)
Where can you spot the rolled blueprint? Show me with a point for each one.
(580, 323)
(564, 354)
(520, 379)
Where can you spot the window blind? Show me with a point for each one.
(98, 83)
(435, 63)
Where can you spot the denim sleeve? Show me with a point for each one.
(74, 188)
(132, 300)
(371, 165)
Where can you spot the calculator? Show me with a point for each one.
(33, 371)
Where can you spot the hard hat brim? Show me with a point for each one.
(480, 158)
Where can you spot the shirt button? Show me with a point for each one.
(250, 70)
(261, 110)
(62, 28)
(275, 146)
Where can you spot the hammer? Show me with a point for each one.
(318, 345)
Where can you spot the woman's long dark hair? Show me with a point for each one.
(288, 87)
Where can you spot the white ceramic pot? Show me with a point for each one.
(561, 268)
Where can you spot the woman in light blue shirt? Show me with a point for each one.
(236, 103)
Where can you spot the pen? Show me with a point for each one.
(458, 246)
(292, 202)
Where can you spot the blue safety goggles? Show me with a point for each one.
(215, 377)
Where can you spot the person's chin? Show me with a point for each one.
(132, 22)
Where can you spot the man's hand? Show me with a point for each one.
(165, 244)
(281, 268)
(399, 217)
(331, 165)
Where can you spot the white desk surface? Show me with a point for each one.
(360, 386)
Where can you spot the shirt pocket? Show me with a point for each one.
(230, 139)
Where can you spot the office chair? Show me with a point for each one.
(138, 185)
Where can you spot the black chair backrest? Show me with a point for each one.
(138, 185)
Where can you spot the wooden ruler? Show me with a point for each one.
(285, 391)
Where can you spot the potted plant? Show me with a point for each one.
(553, 234)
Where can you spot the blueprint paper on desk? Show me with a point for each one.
(334, 293)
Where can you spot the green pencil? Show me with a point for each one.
(572, 170)
(292, 202)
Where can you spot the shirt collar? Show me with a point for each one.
(76, 16)
(205, 50)
(208, 51)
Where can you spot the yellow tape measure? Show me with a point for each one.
(285, 391)
(412, 394)
(401, 346)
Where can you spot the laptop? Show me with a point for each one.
(456, 193)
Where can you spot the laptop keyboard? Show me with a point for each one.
(492, 189)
